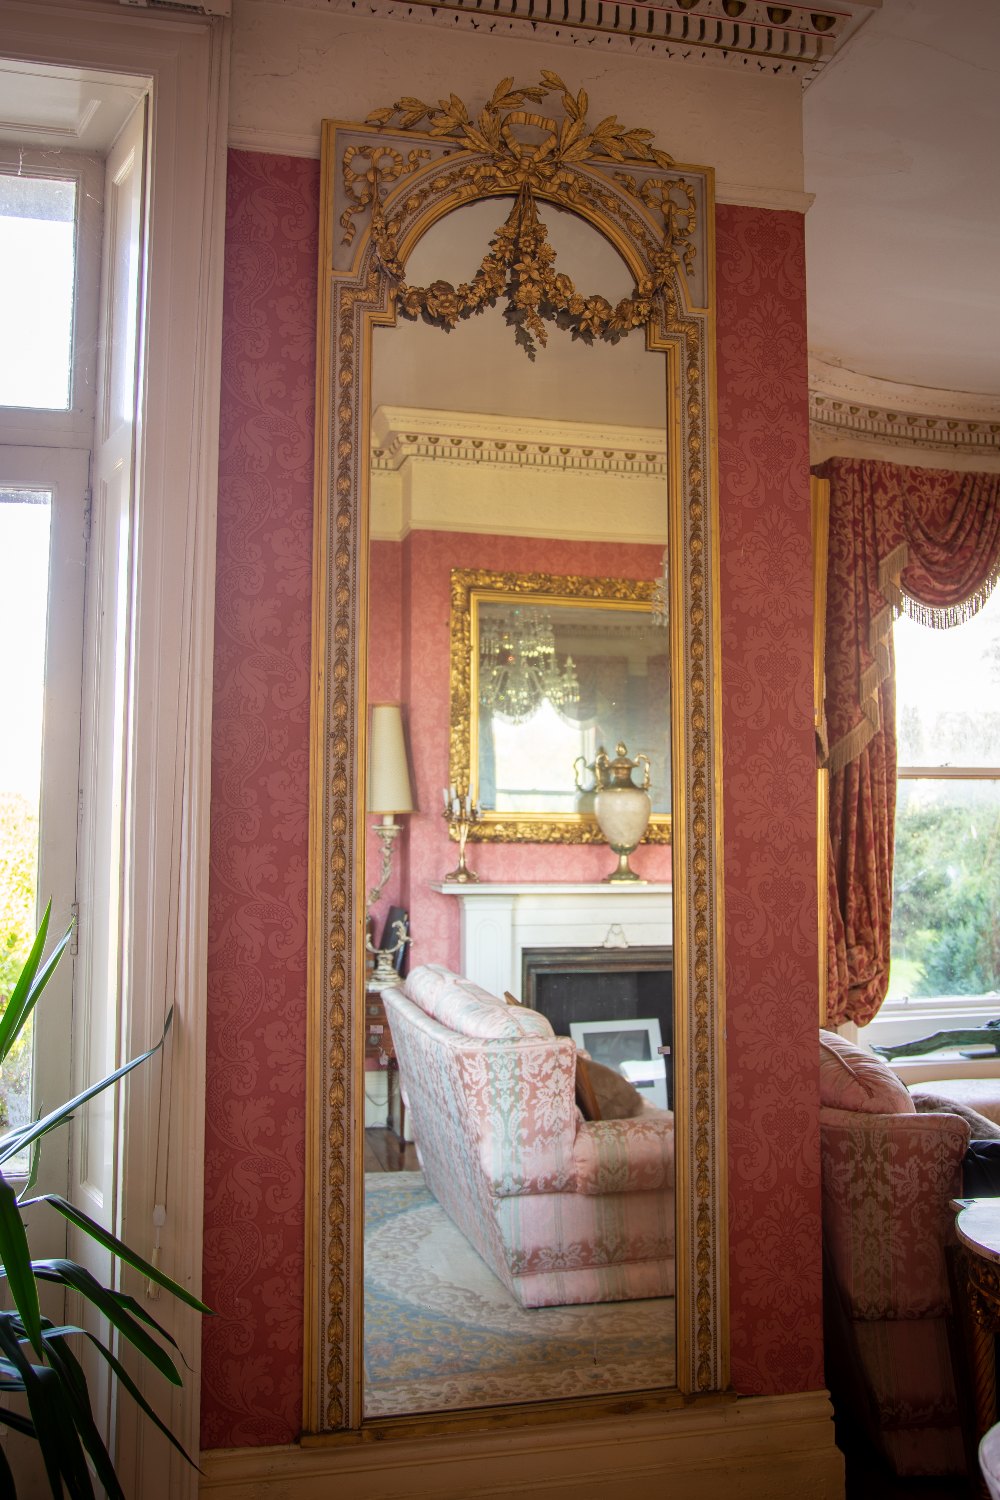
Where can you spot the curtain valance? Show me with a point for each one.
(926, 541)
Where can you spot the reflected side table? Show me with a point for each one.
(977, 1285)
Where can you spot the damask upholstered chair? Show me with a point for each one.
(889, 1174)
(561, 1209)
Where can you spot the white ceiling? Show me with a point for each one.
(902, 150)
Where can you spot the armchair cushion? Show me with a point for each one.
(850, 1078)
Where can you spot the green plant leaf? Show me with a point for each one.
(118, 1247)
(16, 1258)
(122, 1312)
(137, 1396)
(58, 1442)
(16, 1140)
(75, 1386)
(17, 1421)
(31, 982)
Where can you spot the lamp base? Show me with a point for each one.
(383, 976)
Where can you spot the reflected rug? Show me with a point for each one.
(442, 1333)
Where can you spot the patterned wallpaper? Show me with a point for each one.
(255, 1123)
(770, 803)
(255, 1113)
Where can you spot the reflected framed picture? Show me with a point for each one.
(631, 1048)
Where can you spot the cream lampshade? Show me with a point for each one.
(388, 774)
(389, 793)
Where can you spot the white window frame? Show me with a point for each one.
(185, 59)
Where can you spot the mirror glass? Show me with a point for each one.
(558, 672)
(504, 1260)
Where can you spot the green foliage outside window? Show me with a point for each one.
(946, 901)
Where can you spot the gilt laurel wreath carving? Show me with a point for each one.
(513, 149)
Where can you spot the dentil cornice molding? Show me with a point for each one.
(400, 433)
(842, 401)
(752, 36)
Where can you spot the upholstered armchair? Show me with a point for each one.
(889, 1174)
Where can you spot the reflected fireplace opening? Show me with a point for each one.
(616, 1004)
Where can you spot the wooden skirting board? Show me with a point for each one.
(767, 1447)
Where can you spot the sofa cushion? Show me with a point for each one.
(618, 1099)
(463, 1007)
(928, 1102)
(850, 1078)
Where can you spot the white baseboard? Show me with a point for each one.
(761, 1448)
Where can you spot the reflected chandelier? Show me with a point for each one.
(518, 669)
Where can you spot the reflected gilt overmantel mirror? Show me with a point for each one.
(546, 669)
(526, 173)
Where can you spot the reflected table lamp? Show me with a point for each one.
(389, 793)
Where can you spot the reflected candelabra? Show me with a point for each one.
(460, 813)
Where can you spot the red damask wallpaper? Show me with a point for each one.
(770, 803)
(255, 1117)
(255, 1126)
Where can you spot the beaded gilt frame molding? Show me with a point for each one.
(384, 184)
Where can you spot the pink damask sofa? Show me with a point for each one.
(889, 1174)
(562, 1210)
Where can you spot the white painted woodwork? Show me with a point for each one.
(183, 62)
(103, 977)
(500, 920)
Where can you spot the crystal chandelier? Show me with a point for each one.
(518, 669)
(661, 592)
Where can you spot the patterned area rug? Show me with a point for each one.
(442, 1333)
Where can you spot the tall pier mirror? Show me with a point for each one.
(515, 418)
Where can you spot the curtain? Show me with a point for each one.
(926, 541)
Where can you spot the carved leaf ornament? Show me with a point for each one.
(521, 151)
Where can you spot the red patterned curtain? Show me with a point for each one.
(926, 541)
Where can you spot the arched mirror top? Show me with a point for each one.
(385, 183)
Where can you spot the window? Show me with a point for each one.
(48, 311)
(946, 885)
(38, 253)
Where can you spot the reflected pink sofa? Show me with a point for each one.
(562, 1210)
(888, 1177)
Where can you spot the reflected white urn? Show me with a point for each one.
(622, 809)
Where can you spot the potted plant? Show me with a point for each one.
(36, 1355)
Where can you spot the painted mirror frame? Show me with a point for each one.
(383, 186)
(472, 588)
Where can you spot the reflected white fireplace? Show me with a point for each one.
(499, 921)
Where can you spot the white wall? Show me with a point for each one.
(295, 65)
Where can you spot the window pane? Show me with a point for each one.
(24, 544)
(946, 889)
(948, 691)
(37, 253)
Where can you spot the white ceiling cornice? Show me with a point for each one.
(400, 433)
(753, 36)
(904, 415)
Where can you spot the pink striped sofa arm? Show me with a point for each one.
(625, 1156)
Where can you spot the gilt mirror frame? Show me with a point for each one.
(471, 587)
(384, 184)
